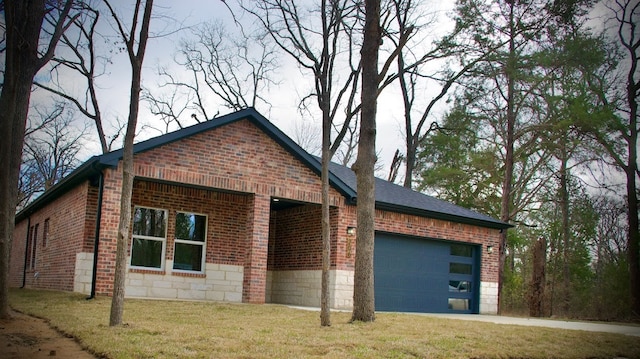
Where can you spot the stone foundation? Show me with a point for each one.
(488, 297)
(303, 288)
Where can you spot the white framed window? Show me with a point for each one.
(190, 242)
(149, 238)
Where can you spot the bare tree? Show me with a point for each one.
(321, 52)
(228, 71)
(619, 138)
(307, 136)
(327, 50)
(136, 42)
(24, 57)
(79, 56)
(52, 144)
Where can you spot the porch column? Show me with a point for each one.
(255, 265)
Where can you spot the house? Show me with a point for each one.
(229, 210)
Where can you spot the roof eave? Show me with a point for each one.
(89, 168)
(442, 216)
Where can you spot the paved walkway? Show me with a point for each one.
(549, 323)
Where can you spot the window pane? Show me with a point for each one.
(460, 268)
(461, 250)
(459, 286)
(191, 227)
(146, 253)
(458, 304)
(149, 222)
(188, 257)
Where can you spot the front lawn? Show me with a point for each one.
(172, 329)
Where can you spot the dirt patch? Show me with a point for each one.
(33, 338)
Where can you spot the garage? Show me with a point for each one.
(415, 274)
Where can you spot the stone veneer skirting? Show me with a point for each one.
(303, 287)
(488, 297)
(220, 282)
(224, 283)
(83, 273)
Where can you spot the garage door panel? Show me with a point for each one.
(422, 275)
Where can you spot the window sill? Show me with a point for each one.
(190, 275)
(147, 271)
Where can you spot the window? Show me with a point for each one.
(29, 261)
(34, 246)
(458, 304)
(461, 250)
(45, 233)
(460, 268)
(459, 286)
(191, 233)
(149, 237)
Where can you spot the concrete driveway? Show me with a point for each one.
(633, 330)
(549, 323)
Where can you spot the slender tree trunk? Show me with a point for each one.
(632, 194)
(505, 206)
(135, 58)
(325, 312)
(363, 294)
(410, 140)
(564, 209)
(117, 300)
(325, 106)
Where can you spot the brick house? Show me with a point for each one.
(229, 210)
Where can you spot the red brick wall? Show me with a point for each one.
(226, 217)
(297, 241)
(70, 231)
(237, 157)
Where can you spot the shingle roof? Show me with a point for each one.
(389, 196)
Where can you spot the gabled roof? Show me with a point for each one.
(388, 195)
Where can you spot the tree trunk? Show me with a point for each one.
(117, 301)
(325, 105)
(505, 207)
(632, 194)
(325, 313)
(363, 293)
(14, 105)
(536, 294)
(564, 209)
(23, 20)
(135, 58)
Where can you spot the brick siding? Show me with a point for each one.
(71, 230)
(230, 174)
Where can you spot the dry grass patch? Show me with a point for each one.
(172, 329)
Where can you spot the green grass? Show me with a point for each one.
(172, 329)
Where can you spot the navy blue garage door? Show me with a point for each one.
(422, 275)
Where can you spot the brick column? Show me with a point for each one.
(255, 266)
(109, 231)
